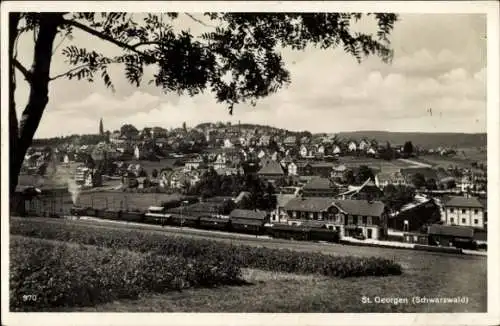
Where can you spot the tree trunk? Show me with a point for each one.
(13, 130)
(39, 89)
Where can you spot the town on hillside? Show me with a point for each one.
(362, 189)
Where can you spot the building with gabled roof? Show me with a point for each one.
(464, 211)
(348, 217)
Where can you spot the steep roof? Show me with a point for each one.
(361, 207)
(466, 202)
(283, 199)
(271, 167)
(313, 204)
(248, 214)
(319, 183)
(451, 230)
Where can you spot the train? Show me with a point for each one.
(157, 215)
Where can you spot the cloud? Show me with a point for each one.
(439, 63)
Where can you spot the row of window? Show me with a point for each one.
(452, 220)
(476, 211)
(331, 217)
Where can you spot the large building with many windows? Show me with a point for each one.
(464, 211)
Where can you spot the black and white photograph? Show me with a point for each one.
(282, 158)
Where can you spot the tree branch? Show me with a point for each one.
(198, 20)
(68, 72)
(22, 69)
(144, 43)
(108, 38)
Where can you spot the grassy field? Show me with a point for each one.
(424, 274)
(445, 162)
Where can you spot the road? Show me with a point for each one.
(415, 163)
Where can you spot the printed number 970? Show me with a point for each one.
(29, 297)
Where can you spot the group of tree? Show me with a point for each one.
(87, 139)
(395, 197)
(262, 194)
(244, 45)
(363, 173)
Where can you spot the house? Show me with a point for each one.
(464, 211)
(367, 191)
(415, 215)
(384, 179)
(264, 140)
(372, 151)
(319, 187)
(193, 163)
(348, 217)
(352, 147)
(336, 150)
(279, 214)
(228, 143)
(290, 141)
(321, 149)
(262, 154)
(303, 151)
(449, 235)
(292, 169)
(220, 162)
(339, 171)
(271, 170)
(363, 145)
(323, 169)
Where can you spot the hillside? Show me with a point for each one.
(427, 140)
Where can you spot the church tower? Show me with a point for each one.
(101, 128)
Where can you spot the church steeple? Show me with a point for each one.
(101, 128)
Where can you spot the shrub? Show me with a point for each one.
(63, 275)
(279, 260)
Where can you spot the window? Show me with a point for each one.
(476, 221)
(369, 220)
(463, 211)
(476, 211)
(452, 210)
(294, 214)
(350, 219)
(364, 219)
(463, 221)
(452, 220)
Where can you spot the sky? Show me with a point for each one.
(439, 63)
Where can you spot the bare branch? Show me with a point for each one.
(144, 43)
(67, 73)
(198, 20)
(108, 38)
(22, 69)
(59, 44)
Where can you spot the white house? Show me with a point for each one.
(261, 154)
(292, 169)
(137, 152)
(321, 149)
(336, 150)
(228, 143)
(352, 146)
(363, 145)
(274, 156)
(303, 151)
(371, 151)
(220, 162)
(464, 211)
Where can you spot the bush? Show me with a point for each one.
(279, 260)
(68, 275)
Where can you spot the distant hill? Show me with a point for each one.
(426, 140)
